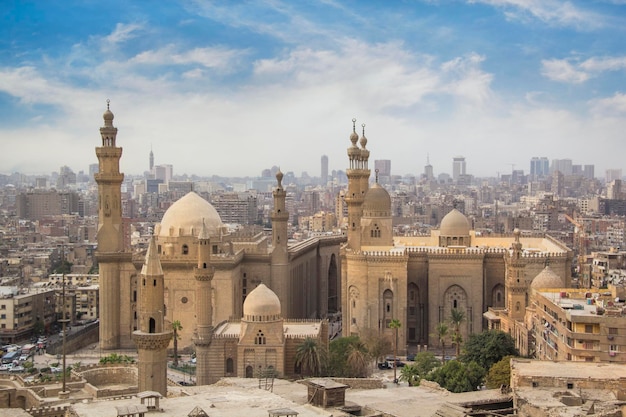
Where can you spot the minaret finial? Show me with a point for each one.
(377, 176)
(108, 101)
(354, 125)
(363, 126)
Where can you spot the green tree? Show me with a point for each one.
(457, 376)
(441, 333)
(499, 374)
(410, 374)
(457, 317)
(340, 350)
(425, 362)
(488, 347)
(395, 325)
(311, 357)
(176, 327)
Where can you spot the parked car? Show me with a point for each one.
(56, 369)
(399, 363)
(410, 357)
(18, 368)
(6, 367)
(383, 365)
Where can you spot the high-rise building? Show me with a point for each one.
(589, 171)
(324, 173)
(383, 166)
(564, 166)
(613, 174)
(151, 160)
(458, 167)
(539, 167)
(163, 172)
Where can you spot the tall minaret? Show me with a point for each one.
(280, 256)
(358, 177)
(516, 286)
(111, 252)
(154, 332)
(204, 308)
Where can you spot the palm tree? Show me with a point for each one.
(176, 326)
(357, 360)
(311, 357)
(441, 332)
(456, 318)
(395, 324)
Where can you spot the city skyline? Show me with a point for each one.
(233, 89)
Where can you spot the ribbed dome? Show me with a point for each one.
(377, 202)
(185, 216)
(547, 279)
(262, 304)
(454, 224)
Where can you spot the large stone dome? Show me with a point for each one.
(185, 217)
(377, 202)
(262, 304)
(547, 279)
(454, 224)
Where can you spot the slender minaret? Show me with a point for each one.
(110, 253)
(154, 332)
(204, 308)
(516, 286)
(358, 177)
(280, 256)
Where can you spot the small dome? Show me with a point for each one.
(108, 115)
(547, 279)
(454, 224)
(262, 304)
(186, 216)
(377, 202)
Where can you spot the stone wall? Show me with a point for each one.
(361, 383)
(76, 341)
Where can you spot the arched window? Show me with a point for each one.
(260, 338)
(185, 250)
(152, 325)
(230, 366)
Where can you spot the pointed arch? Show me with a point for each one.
(497, 296)
(333, 285)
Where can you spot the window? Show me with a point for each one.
(588, 328)
(614, 348)
(185, 250)
(3, 316)
(3, 307)
(260, 338)
(230, 367)
(612, 330)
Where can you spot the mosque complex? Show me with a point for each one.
(246, 300)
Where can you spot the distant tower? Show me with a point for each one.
(358, 183)
(428, 169)
(458, 167)
(151, 160)
(111, 252)
(153, 335)
(324, 170)
(516, 286)
(204, 308)
(280, 256)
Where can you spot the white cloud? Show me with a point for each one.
(553, 12)
(573, 71)
(214, 57)
(614, 106)
(122, 33)
(562, 70)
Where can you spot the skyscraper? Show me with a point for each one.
(458, 167)
(539, 167)
(324, 174)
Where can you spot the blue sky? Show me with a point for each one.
(233, 87)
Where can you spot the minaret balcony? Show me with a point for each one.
(152, 341)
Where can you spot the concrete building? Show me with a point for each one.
(22, 313)
(34, 205)
(458, 167)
